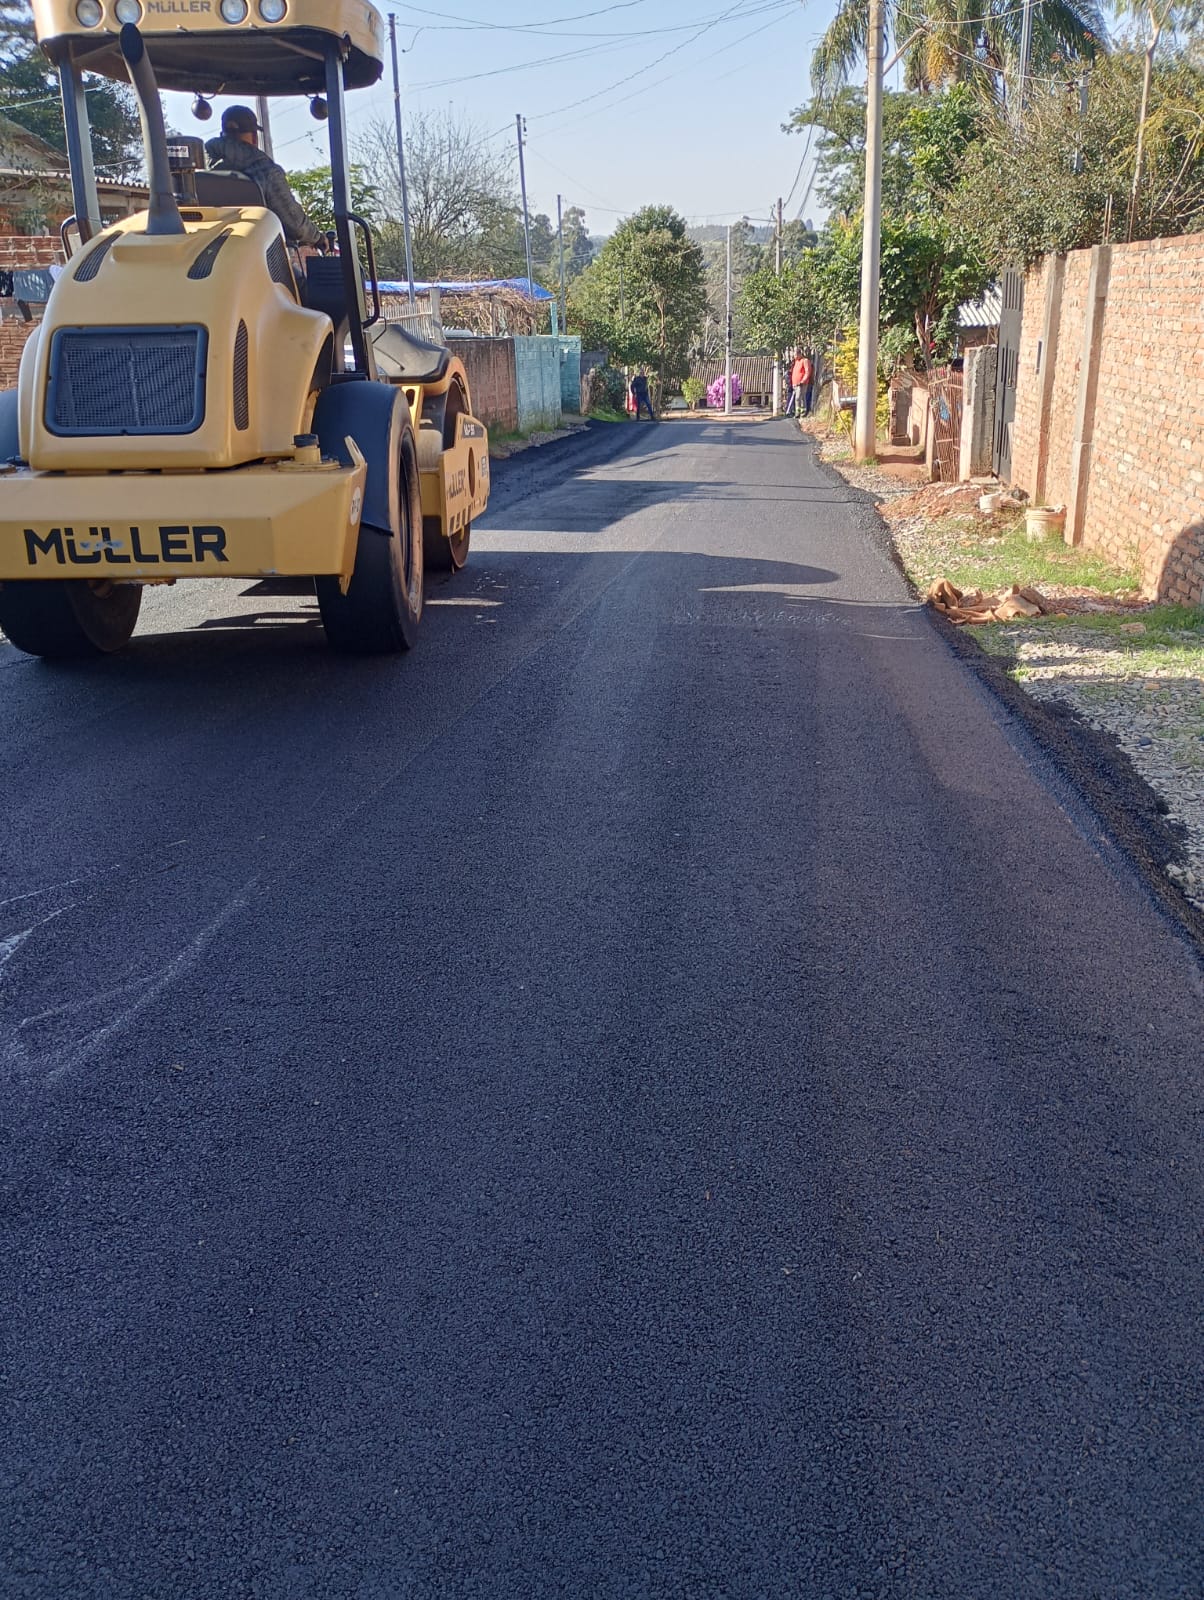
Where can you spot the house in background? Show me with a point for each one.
(35, 186)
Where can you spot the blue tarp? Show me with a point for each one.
(523, 286)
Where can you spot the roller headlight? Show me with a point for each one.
(234, 10)
(89, 14)
(273, 10)
(128, 10)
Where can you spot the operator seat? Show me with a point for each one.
(402, 357)
(226, 189)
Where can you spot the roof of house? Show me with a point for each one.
(984, 313)
(27, 152)
(754, 372)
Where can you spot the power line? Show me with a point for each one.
(616, 42)
(644, 88)
(547, 31)
(521, 27)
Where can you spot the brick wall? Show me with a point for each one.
(16, 250)
(1145, 493)
(491, 381)
(1027, 423)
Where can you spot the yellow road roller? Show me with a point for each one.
(201, 400)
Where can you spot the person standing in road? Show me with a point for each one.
(796, 386)
(808, 383)
(639, 393)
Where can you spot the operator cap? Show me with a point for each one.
(240, 119)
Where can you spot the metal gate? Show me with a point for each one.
(1011, 321)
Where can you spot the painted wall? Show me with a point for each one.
(537, 382)
(570, 371)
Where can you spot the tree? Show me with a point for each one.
(960, 41)
(578, 246)
(464, 212)
(1068, 173)
(1158, 17)
(793, 309)
(924, 138)
(314, 188)
(31, 99)
(644, 298)
(747, 256)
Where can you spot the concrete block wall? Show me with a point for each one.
(537, 381)
(1140, 498)
(491, 380)
(570, 372)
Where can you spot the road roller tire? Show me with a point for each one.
(69, 620)
(444, 554)
(381, 610)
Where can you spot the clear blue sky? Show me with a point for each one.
(650, 101)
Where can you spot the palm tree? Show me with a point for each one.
(960, 41)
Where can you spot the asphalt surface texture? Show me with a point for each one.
(660, 1092)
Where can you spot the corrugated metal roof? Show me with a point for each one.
(754, 372)
(984, 313)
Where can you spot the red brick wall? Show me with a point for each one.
(491, 380)
(1028, 386)
(39, 250)
(1145, 499)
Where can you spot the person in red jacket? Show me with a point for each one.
(796, 385)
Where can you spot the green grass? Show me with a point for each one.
(1173, 641)
(980, 554)
(605, 414)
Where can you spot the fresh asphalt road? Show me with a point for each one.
(657, 1093)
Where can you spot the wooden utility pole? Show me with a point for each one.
(866, 431)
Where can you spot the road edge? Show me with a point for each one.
(1128, 812)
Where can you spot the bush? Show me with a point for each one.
(606, 390)
(693, 389)
(716, 396)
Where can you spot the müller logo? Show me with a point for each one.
(179, 8)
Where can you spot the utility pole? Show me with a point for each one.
(564, 304)
(777, 355)
(1076, 165)
(521, 125)
(263, 116)
(401, 159)
(866, 431)
(727, 355)
(1026, 50)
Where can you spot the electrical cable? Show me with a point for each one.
(780, 9)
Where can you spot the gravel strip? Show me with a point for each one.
(1155, 712)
